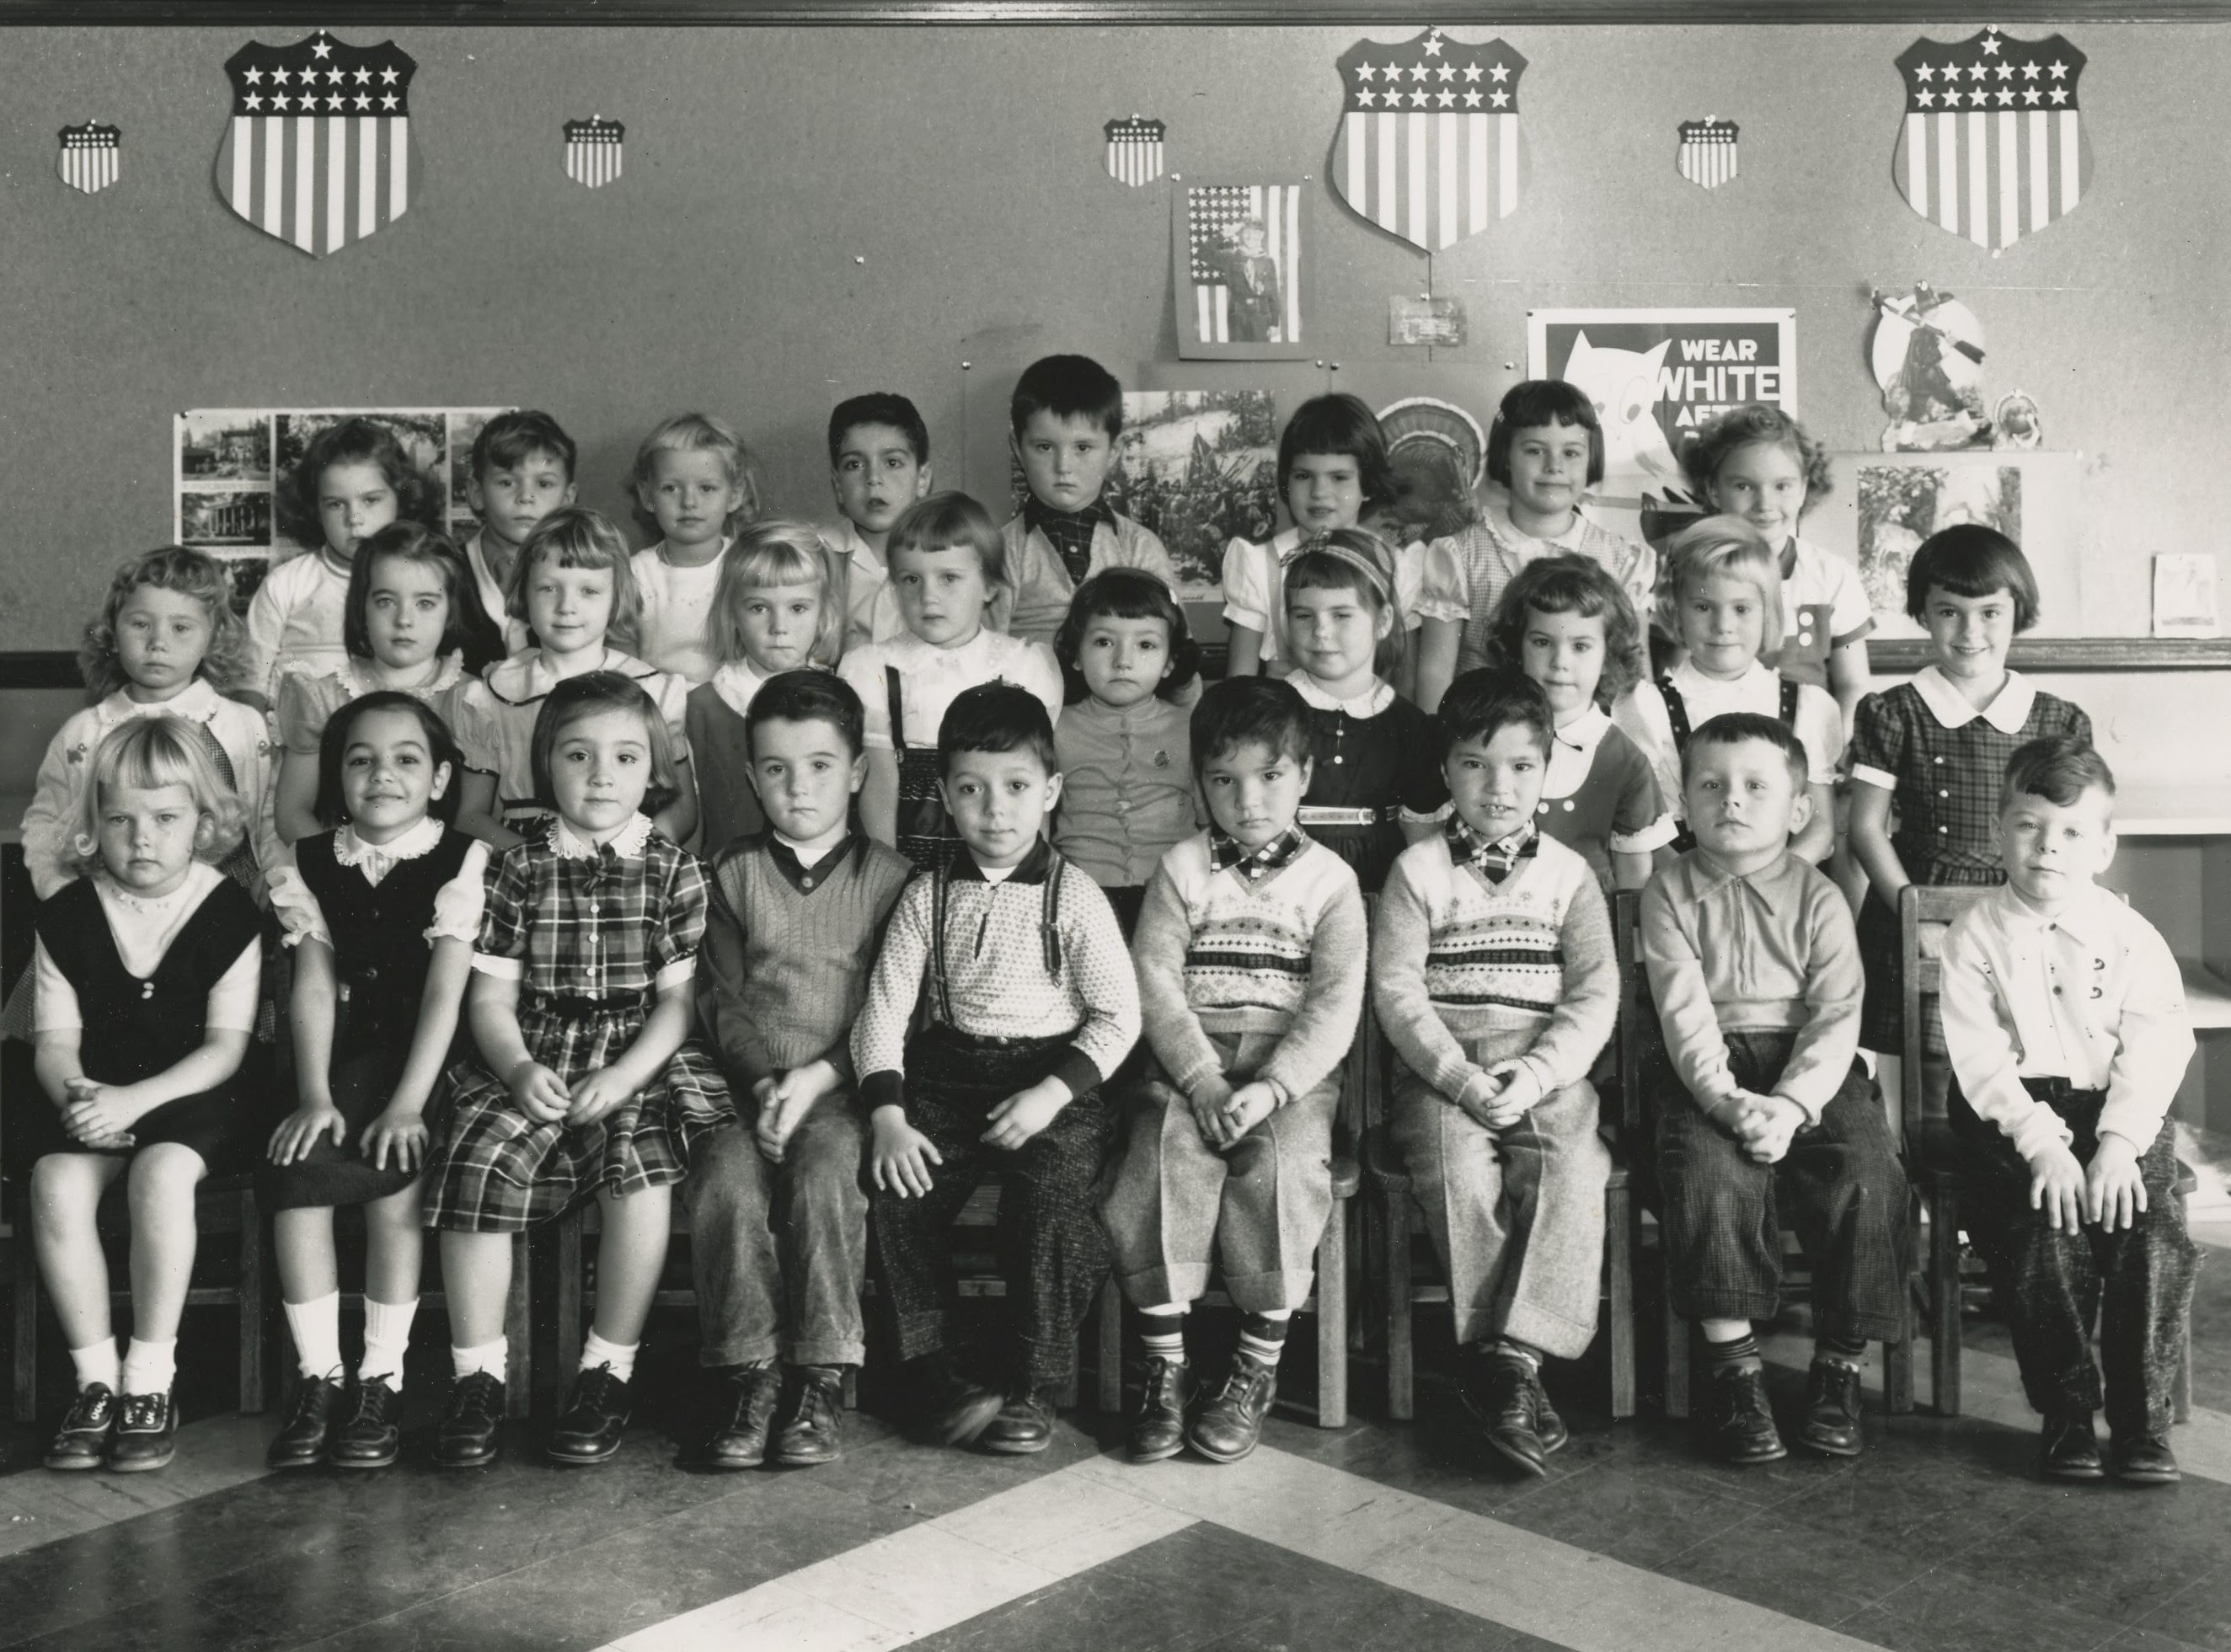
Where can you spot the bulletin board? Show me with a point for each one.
(800, 220)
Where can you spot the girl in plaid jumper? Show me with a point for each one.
(581, 1006)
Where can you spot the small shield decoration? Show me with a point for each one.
(1993, 148)
(89, 156)
(318, 152)
(593, 151)
(1134, 149)
(1428, 142)
(1707, 156)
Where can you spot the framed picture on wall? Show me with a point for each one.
(1240, 255)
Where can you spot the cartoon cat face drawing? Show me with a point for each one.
(1623, 384)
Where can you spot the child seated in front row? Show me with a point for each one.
(878, 465)
(2060, 1102)
(1250, 961)
(148, 966)
(1000, 1005)
(778, 1221)
(1495, 978)
(949, 566)
(1764, 1111)
(1126, 793)
(1066, 413)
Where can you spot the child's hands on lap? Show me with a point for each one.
(537, 1092)
(401, 1131)
(2114, 1192)
(597, 1095)
(784, 1102)
(1516, 1090)
(2056, 1187)
(97, 1115)
(1249, 1104)
(900, 1158)
(1208, 1100)
(1023, 1115)
(1767, 1128)
(299, 1131)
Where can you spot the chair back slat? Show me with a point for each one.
(1925, 914)
(1634, 1005)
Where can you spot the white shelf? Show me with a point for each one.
(2182, 811)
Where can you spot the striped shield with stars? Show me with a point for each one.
(1134, 149)
(593, 151)
(318, 152)
(89, 156)
(1428, 142)
(1992, 148)
(1707, 157)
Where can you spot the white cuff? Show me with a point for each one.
(680, 972)
(503, 968)
(1874, 777)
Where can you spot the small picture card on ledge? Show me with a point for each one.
(2184, 594)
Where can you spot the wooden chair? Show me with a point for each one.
(1932, 1154)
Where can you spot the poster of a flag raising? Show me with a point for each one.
(1993, 146)
(1428, 147)
(1238, 256)
(318, 150)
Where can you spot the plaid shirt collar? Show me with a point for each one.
(1226, 853)
(1495, 859)
(625, 844)
(1070, 532)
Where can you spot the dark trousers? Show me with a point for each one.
(1841, 1186)
(2136, 1282)
(1053, 1253)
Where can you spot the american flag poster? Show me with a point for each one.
(1707, 155)
(1134, 149)
(317, 151)
(1428, 142)
(1237, 252)
(593, 151)
(89, 156)
(1993, 148)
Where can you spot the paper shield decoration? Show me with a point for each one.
(89, 156)
(593, 151)
(1993, 148)
(318, 152)
(1134, 149)
(1428, 142)
(1707, 156)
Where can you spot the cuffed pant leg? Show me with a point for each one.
(1160, 1206)
(1455, 1175)
(822, 1223)
(1554, 1166)
(2147, 1273)
(1277, 1199)
(1056, 1251)
(732, 1249)
(1723, 1239)
(1845, 1194)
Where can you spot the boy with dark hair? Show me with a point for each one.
(1066, 413)
(522, 470)
(878, 465)
(2060, 1100)
(1250, 953)
(1763, 1109)
(1030, 1006)
(778, 1221)
(1496, 978)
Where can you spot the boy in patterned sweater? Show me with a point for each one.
(1250, 957)
(1030, 1006)
(778, 1223)
(1495, 977)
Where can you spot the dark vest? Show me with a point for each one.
(380, 951)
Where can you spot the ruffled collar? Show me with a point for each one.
(198, 702)
(627, 843)
(423, 839)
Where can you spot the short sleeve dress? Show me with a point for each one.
(307, 704)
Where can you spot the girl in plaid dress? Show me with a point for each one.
(587, 1081)
(1935, 749)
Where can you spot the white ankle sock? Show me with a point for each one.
(386, 1336)
(148, 1367)
(98, 1362)
(596, 1352)
(316, 1325)
(490, 1357)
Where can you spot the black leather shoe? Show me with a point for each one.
(371, 1435)
(1157, 1428)
(472, 1434)
(813, 1433)
(301, 1442)
(2067, 1450)
(1023, 1425)
(1832, 1409)
(1228, 1426)
(590, 1430)
(1505, 1395)
(1548, 1426)
(953, 1410)
(83, 1440)
(147, 1434)
(2142, 1460)
(747, 1402)
(1741, 1420)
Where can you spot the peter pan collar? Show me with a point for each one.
(626, 844)
(423, 839)
(197, 703)
(2007, 713)
(527, 676)
(360, 683)
(1364, 706)
(1585, 732)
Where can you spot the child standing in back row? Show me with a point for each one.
(878, 465)
(694, 477)
(522, 470)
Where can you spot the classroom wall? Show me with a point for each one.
(809, 213)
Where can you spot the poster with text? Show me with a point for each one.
(1655, 375)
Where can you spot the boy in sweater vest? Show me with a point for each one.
(778, 1221)
(1250, 951)
(1495, 977)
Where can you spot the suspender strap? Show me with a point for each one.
(1677, 714)
(897, 711)
(1789, 713)
(1048, 931)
